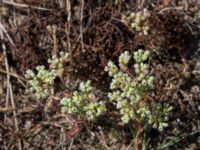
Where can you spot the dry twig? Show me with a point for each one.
(81, 24)
(9, 93)
(24, 5)
(68, 23)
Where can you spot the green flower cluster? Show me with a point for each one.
(159, 116)
(129, 94)
(83, 103)
(42, 80)
(57, 63)
(137, 22)
(124, 58)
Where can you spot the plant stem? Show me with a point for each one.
(137, 140)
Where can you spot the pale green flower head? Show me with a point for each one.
(114, 95)
(141, 56)
(93, 110)
(81, 103)
(57, 63)
(124, 58)
(111, 68)
(137, 21)
(40, 81)
(29, 74)
(43, 78)
(85, 87)
(141, 68)
(159, 116)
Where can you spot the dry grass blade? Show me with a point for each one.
(6, 109)
(7, 2)
(174, 140)
(9, 86)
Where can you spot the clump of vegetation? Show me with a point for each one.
(94, 32)
(129, 94)
(160, 115)
(42, 81)
(137, 22)
(83, 103)
(57, 63)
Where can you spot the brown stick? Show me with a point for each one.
(68, 24)
(20, 5)
(9, 92)
(81, 24)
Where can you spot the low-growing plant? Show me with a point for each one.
(42, 81)
(137, 22)
(129, 94)
(83, 103)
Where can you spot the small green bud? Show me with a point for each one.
(124, 58)
(137, 22)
